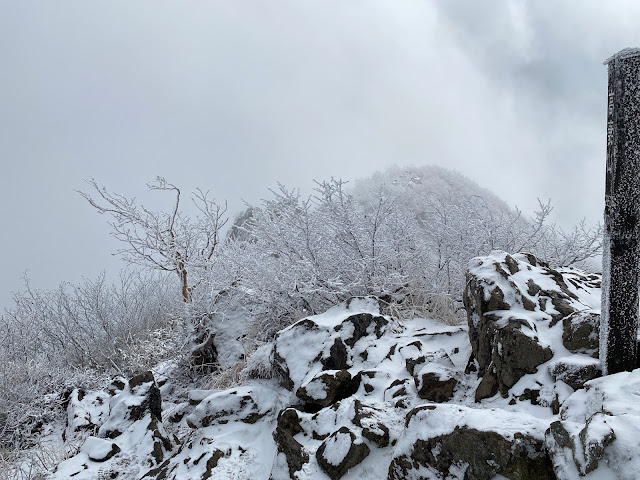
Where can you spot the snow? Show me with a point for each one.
(441, 371)
(337, 314)
(235, 403)
(338, 446)
(97, 448)
(316, 388)
(443, 419)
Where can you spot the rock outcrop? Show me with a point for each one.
(132, 424)
(452, 441)
(521, 313)
(597, 435)
(361, 395)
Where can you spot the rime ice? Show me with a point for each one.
(621, 255)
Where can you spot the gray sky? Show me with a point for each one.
(237, 95)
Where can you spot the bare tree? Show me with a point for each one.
(168, 241)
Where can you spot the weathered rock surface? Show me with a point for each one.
(371, 421)
(576, 370)
(328, 387)
(295, 454)
(581, 333)
(339, 452)
(513, 304)
(448, 441)
(435, 383)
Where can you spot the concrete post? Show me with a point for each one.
(621, 255)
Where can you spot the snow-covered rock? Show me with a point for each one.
(341, 451)
(290, 452)
(435, 383)
(133, 428)
(327, 387)
(598, 433)
(457, 442)
(86, 412)
(331, 341)
(581, 333)
(514, 305)
(575, 370)
(99, 450)
(369, 397)
(244, 404)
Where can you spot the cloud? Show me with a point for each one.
(236, 96)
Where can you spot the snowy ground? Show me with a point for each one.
(360, 395)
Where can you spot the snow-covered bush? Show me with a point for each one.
(405, 235)
(90, 325)
(259, 364)
(60, 337)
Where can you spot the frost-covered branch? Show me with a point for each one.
(169, 241)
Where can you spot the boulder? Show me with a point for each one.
(580, 446)
(247, 404)
(518, 351)
(368, 418)
(513, 303)
(328, 387)
(141, 398)
(287, 427)
(357, 326)
(339, 452)
(576, 370)
(598, 433)
(448, 441)
(435, 383)
(99, 450)
(334, 340)
(581, 333)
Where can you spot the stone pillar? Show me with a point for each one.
(621, 255)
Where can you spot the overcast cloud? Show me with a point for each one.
(237, 95)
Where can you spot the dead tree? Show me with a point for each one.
(168, 241)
